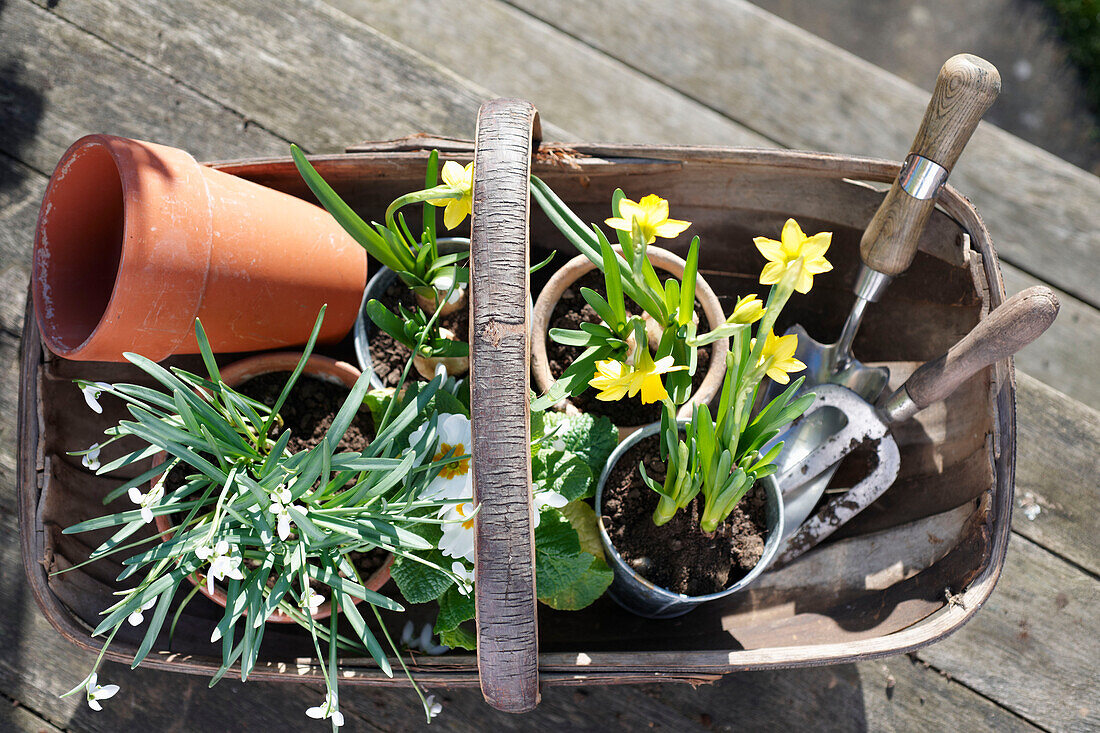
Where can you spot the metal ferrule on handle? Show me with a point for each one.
(921, 177)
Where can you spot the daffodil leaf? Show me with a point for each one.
(687, 289)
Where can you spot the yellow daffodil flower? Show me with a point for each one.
(778, 354)
(749, 309)
(616, 379)
(462, 180)
(794, 244)
(651, 213)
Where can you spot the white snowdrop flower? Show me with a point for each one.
(148, 500)
(138, 616)
(455, 440)
(91, 458)
(92, 392)
(433, 706)
(97, 692)
(407, 634)
(465, 580)
(222, 563)
(311, 599)
(327, 709)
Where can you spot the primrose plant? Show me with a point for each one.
(276, 530)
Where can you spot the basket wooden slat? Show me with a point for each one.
(877, 590)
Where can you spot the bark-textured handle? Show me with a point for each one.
(504, 588)
(965, 89)
(1011, 326)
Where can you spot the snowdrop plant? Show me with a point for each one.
(272, 528)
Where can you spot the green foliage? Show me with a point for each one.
(1079, 25)
(567, 578)
(589, 437)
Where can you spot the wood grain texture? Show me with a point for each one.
(500, 375)
(1057, 484)
(490, 44)
(1034, 646)
(1066, 356)
(965, 89)
(1015, 323)
(21, 190)
(772, 77)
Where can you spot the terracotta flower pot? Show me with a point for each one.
(662, 259)
(134, 240)
(240, 372)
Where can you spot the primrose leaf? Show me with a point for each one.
(563, 472)
(454, 608)
(590, 437)
(459, 638)
(567, 578)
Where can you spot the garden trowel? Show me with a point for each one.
(966, 87)
(1008, 328)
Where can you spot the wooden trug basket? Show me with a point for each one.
(880, 586)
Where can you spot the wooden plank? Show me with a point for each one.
(1065, 357)
(570, 83)
(1033, 647)
(9, 398)
(21, 190)
(299, 69)
(73, 83)
(773, 78)
(1056, 473)
(893, 694)
(15, 717)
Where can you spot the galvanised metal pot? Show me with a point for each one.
(640, 596)
(376, 287)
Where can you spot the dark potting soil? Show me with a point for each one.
(309, 410)
(388, 357)
(678, 555)
(572, 310)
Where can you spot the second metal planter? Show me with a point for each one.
(638, 595)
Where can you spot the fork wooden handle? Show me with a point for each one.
(965, 89)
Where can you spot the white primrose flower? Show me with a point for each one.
(149, 499)
(91, 458)
(443, 283)
(465, 581)
(92, 392)
(434, 707)
(222, 563)
(327, 709)
(455, 439)
(138, 616)
(97, 692)
(546, 500)
(458, 531)
(312, 600)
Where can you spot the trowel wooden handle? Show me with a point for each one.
(965, 89)
(1011, 326)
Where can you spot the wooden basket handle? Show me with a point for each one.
(507, 629)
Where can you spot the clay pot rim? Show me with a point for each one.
(662, 259)
(239, 372)
(118, 149)
(677, 604)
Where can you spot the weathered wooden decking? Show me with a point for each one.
(230, 78)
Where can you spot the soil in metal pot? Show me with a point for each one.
(388, 357)
(572, 310)
(678, 555)
(309, 410)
